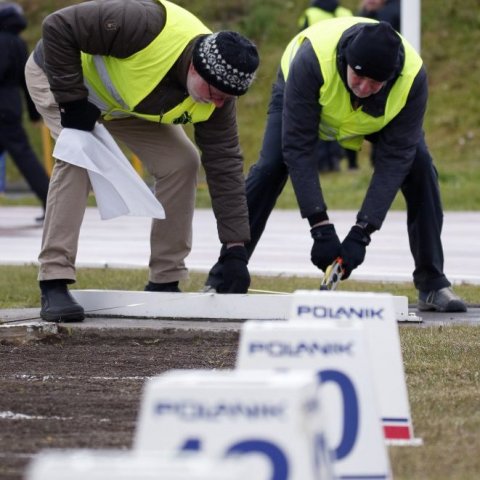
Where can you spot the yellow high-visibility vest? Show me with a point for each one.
(339, 120)
(117, 85)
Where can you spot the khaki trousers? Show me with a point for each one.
(167, 154)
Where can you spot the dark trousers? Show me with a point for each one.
(268, 176)
(14, 140)
(424, 221)
(266, 180)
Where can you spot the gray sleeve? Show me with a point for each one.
(301, 117)
(396, 148)
(115, 28)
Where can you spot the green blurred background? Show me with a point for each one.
(450, 49)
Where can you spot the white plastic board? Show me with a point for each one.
(338, 353)
(129, 465)
(210, 306)
(376, 311)
(270, 418)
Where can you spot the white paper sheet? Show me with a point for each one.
(118, 188)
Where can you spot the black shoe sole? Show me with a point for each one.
(150, 288)
(453, 307)
(63, 317)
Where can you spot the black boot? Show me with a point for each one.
(162, 287)
(58, 305)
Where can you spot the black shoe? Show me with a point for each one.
(58, 305)
(162, 287)
(443, 300)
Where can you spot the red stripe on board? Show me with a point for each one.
(397, 432)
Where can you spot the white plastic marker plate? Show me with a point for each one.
(211, 306)
(338, 352)
(85, 464)
(269, 416)
(376, 311)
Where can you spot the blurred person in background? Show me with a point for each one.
(322, 10)
(3, 179)
(13, 138)
(382, 10)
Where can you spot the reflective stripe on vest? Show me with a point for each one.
(117, 85)
(339, 121)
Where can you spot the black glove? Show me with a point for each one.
(79, 114)
(354, 248)
(215, 277)
(236, 278)
(326, 246)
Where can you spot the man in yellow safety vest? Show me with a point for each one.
(143, 68)
(348, 79)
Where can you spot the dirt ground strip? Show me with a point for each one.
(82, 389)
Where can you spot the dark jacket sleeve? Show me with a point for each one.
(301, 117)
(395, 153)
(32, 111)
(222, 160)
(116, 28)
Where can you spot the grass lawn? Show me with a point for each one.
(442, 366)
(19, 286)
(450, 36)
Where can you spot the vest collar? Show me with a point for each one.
(172, 90)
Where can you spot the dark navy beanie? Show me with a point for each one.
(374, 51)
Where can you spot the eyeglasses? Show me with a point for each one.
(217, 97)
